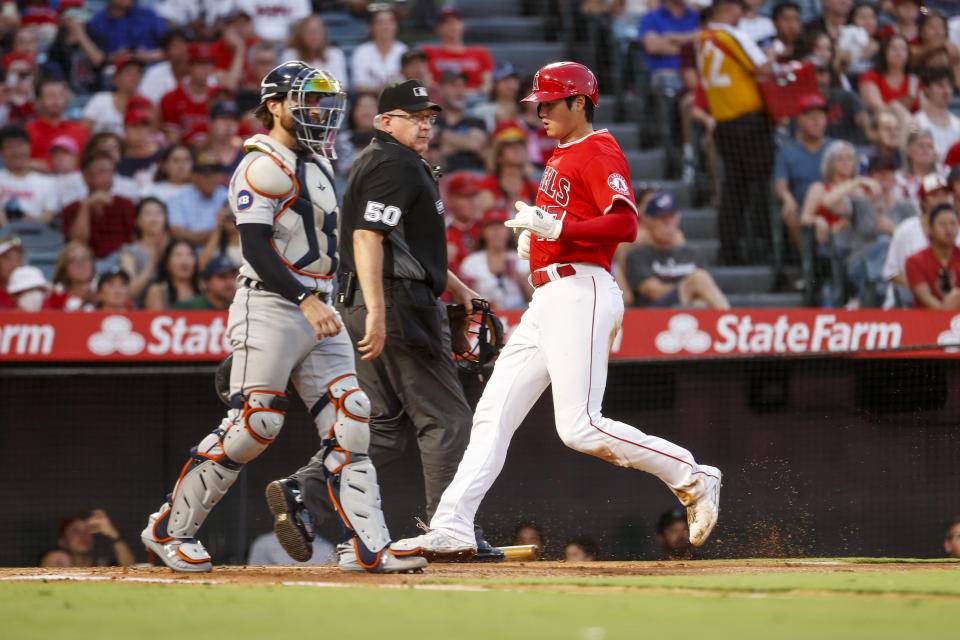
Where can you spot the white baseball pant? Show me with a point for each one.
(564, 338)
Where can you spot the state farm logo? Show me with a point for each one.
(748, 334)
(116, 334)
(683, 333)
(951, 336)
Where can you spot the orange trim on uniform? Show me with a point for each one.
(345, 462)
(191, 560)
(157, 521)
(356, 548)
(267, 195)
(341, 407)
(401, 554)
(182, 473)
(293, 268)
(336, 504)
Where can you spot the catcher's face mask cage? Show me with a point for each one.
(484, 340)
(317, 105)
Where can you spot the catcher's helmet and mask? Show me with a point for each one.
(316, 102)
(476, 339)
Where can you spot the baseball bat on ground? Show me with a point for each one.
(520, 552)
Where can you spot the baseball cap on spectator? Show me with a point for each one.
(409, 95)
(508, 132)
(447, 13)
(505, 70)
(667, 518)
(16, 56)
(494, 215)
(65, 143)
(7, 244)
(462, 183)
(124, 60)
(206, 163)
(811, 101)
(224, 109)
(412, 54)
(660, 204)
(70, 4)
(932, 182)
(107, 276)
(137, 116)
(453, 74)
(936, 211)
(201, 52)
(25, 278)
(916, 2)
(218, 265)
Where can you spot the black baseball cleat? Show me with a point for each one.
(486, 552)
(291, 520)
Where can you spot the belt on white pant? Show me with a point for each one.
(541, 277)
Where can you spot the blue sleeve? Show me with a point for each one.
(649, 23)
(160, 26)
(780, 165)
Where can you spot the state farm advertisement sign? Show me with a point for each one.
(646, 335)
(135, 336)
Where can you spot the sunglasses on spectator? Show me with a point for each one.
(943, 281)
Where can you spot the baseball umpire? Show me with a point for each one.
(281, 326)
(394, 268)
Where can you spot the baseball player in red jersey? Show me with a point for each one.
(585, 208)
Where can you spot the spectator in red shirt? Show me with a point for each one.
(184, 110)
(510, 169)
(934, 272)
(11, 257)
(101, 220)
(463, 217)
(905, 12)
(52, 98)
(20, 76)
(453, 55)
(890, 81)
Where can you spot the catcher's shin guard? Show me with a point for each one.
(351, 478)
(216, 462)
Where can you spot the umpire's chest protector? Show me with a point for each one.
(306, 214)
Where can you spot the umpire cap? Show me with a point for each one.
(409, 95)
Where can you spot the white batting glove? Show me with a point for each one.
(523, 245)
(538, 221)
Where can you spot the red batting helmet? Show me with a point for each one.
(561, 80)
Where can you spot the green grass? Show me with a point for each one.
(933, 582)
(725, 606)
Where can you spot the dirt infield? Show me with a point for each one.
(451, 573)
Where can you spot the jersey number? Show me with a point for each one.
(713, 56)
(378, 212)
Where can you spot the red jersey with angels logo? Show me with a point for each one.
(582, 180)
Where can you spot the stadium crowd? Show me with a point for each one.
(121, 123)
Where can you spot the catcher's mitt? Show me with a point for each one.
(476, 339)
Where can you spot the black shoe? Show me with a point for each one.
(486, 552)
(291, 520)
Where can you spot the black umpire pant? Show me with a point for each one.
(746, 146)
(412, 385)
